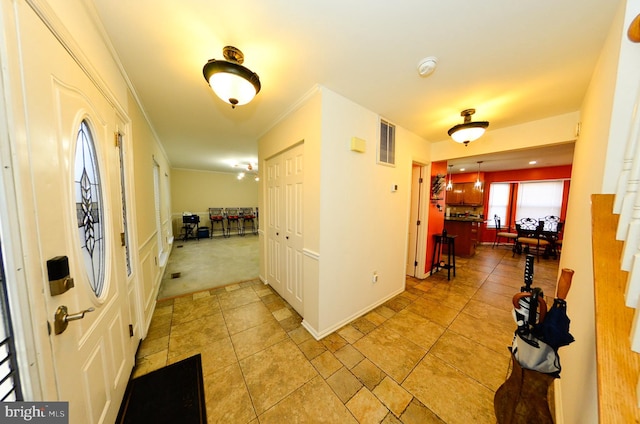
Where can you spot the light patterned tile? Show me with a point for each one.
(350, 334)
(274, 373)
(349, 356)
(481, 363)
(393, 396)
(326, 364)
(392, 353)
(419, 330)
(311, 348)
(344, 384)
(440, 387)
(417, 413)
(196, 334)
(245, 317)
(257, 338)
(227, 398)
(366, 407)
(299, 334)
(314, 402)
(368, 373)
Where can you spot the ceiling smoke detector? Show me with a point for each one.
(427, 65)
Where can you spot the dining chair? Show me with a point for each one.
(552, 231)
(500, 233)
(530, 235)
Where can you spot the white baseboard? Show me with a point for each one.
(319, 335)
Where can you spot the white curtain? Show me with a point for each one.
(539, 199)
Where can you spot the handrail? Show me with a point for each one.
(618, 367)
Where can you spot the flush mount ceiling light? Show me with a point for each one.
(468, 131)
(231, 81)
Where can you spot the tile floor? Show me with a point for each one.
(434, 354)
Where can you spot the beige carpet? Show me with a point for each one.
(207, 263)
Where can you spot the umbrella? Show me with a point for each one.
(554, 330)
(530, 310)
(521, 306)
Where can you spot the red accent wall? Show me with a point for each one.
(534, 174)
(436, 216)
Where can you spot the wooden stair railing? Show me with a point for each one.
(618, 367)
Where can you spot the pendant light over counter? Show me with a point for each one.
(450, 183)
(478, 184)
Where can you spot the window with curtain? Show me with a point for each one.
(539, 199)
(498, 201)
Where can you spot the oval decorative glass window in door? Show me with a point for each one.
(89, 208)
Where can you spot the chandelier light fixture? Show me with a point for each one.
(468, 131)
(450, 183)
(248, 168)
(478, 184)
(231, 81)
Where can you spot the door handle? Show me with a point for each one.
(62, 318)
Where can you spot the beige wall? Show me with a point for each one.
(152, 250)
(197, 191)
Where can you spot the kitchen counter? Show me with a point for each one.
(467, 230)
(463, 218)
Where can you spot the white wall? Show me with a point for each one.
(301, 124)
(553, 130)
(596, 165)
(354, 224)
(363, 223)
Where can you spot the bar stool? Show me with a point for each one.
(247, 216)
(441, 240)
(216, 216)
(233, 220)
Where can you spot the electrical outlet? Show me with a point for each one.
(374, 278)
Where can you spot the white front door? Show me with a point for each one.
(285, 177)
(71, 172)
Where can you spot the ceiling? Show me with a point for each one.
(556, 155)
(513, 62)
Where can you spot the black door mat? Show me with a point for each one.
(173, 394)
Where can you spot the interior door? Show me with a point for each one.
(414, 216)
(293, 179)
(73, 162)
(274, 219)
(285, 242)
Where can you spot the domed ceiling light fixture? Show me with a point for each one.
(231, 81)
(468, 131)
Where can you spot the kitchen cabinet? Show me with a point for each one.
(465, 194)
(468, 235)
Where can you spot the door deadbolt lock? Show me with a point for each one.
(62, 318)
